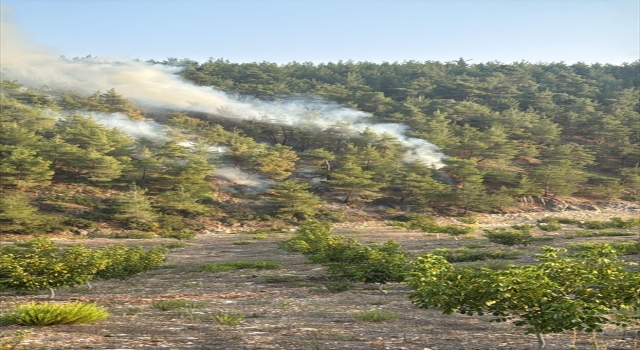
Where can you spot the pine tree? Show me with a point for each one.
(294, 200)
(23, 168)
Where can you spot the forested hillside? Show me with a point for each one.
(506, 133)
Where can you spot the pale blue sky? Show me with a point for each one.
(282, 31)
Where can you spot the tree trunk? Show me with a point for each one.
(541, 343)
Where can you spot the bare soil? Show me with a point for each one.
(291, 307)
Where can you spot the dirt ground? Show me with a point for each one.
(289, 308)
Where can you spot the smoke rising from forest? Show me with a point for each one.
(159, 86)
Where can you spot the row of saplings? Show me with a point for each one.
(581, 292)
(40, 264)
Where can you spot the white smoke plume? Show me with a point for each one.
(134, 128)
(251, 182)
(160, 86)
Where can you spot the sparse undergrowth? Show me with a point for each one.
(376, 316)
(46, 314)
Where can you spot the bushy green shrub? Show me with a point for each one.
(376, 316)
(346, 257)
(560, 220)
(599, 233)
(45, 314)
(123, 262)
(549, 226)
(427, 223)
(612, 223)
(621, 248)
(310, 238)
(39, 264)
(240, 265)
(370, 264)
(509, 238)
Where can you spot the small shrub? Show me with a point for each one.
(176, 223)
(45, 314)
(621, 248)
(526, 228)
(376, 316)
(166, 305)
(509, 238)
(549, 226)
(612, 223)
(587, 233)
(560, 220)
(468, 219)
(123, 262)
(229, 319)
(79, 223)
(427, 223)
(174, 245)
(240, 265)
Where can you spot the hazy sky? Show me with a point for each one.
(281, 31)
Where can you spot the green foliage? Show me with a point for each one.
(293, 200)
(166, 305)
(428, 224)
(22, 168)
(560, 220)
(310, 238)
(348, 258)
(134, 210)
(598, 233)
(466, 254)
(370, 264)
(558, 294)
(509, 238)
(240, 265)
(40, 264)
(549, 226)
(376, 316)
(174, 245)
(621, 248)
(47, 314)
(512, 131)
(229, 319)
(612, 223)
(17, 214)
(123, 262)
